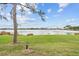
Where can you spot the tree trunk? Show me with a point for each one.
(14, 24)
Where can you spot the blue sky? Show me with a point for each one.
(57, 15)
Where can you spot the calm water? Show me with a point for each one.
(43, 32)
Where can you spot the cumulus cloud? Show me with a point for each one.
(29, 13)
(70, 20)
(46, 17)
(49, 10)
(24, 19)
(19, 7)
(60, 10)
(21, 19)
(62, 6)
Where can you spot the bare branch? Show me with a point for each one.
(11, 13)
(3, 17)
(30, 6)
(3, 9)
(34, 10)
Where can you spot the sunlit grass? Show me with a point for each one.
(58, 45)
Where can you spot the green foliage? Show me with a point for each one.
(69, 27)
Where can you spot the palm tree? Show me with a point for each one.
(13, 14)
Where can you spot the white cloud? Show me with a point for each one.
(36, 5)
(70, 20)
(21, 19)
(46, 17)
(60, 10)
(62, 6)
(22, 3)
(19, 7)
(29, 13)
(49, 10)
(24, 19)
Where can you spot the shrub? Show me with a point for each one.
(5, 33)
(30, 34)
(76, 33)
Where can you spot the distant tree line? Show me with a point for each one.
(69, 27)
(32, 29)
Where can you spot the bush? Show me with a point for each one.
(76, 33)
(30, 34)
(5, 33)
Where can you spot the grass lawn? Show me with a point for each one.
(45, 45)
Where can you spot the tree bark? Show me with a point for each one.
(14, 24)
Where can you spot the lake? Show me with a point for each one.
(43, 32)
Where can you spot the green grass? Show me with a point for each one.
(45, 45)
